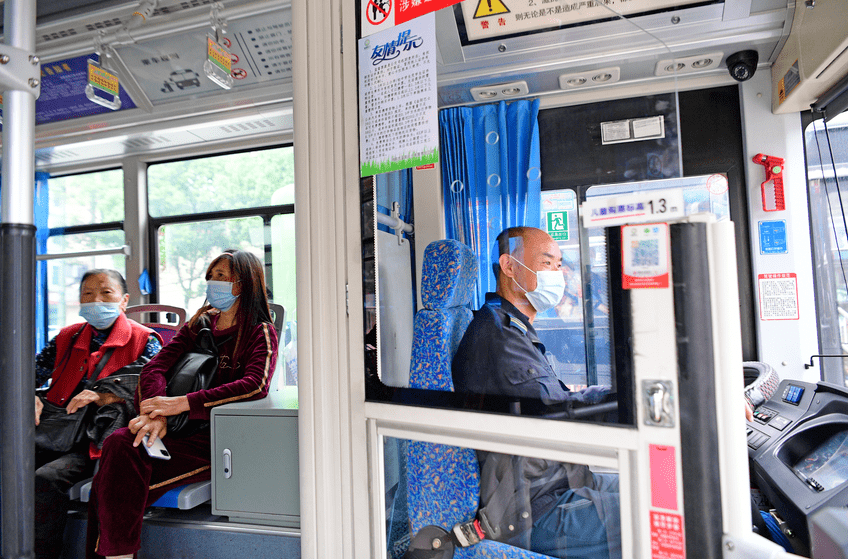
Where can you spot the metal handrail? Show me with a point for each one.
(125, 250)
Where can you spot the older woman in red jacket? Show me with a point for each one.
(129, 479)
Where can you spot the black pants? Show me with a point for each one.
(55, 474)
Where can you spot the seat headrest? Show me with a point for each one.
(448, 275)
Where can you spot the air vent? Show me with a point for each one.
(697, 63)
(503, 91)
(603, 76)
(55, 155)
(145, 141)
(181, 6)
(247, 126)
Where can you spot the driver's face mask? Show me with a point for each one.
(550, 285)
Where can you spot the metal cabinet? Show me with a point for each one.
(255, 477)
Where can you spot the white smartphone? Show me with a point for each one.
(158, 449)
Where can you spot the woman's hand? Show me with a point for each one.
(164, 406)
(38, 407)
(88, 397)
(144, 425)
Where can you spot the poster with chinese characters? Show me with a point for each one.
(778, 296)
(398, 115)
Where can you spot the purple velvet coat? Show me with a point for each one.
(129, 480)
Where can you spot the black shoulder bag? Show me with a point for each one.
(193, 371)
(57, 430)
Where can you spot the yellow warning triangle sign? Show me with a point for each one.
(486, 8)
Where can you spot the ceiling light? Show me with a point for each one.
(600, 78)
(574, 82)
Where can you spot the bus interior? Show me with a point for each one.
(687, 157)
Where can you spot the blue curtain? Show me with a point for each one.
(41, 205)
(491, 177)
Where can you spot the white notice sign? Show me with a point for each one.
(398, 115)
(639, 207)
(778, 296)
(485, 19)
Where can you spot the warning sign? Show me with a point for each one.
(778, 296)
(486, 8)
(485, 19)
(667, 536)
(378, 15)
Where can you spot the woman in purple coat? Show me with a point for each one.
(129, 480)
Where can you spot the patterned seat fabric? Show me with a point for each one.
(444, 481)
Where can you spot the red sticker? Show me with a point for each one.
(239, 73)
(663, 477)
(667, 536)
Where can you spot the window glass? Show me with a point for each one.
(283, 289)
(63, 274)
(186, 249)
(86, 199)
(553, 508)
(224, 182)
(827, 175)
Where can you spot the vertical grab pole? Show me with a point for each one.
(17, 299)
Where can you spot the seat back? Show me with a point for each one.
(443, 481)
(165, 329)
(278, 315)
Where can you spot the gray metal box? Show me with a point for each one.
(262, 485)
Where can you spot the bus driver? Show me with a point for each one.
(561, 510)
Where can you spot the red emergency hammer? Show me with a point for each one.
(772, 188)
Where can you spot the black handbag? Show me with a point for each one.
(59, 431)
(193, 371)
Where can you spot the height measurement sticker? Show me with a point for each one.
(778, 296)
(639, 207)
(645, 250)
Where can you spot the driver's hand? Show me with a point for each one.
(749, 413)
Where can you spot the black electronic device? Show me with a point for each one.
(798, 446)
(743, 64)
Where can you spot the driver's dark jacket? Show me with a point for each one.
(500, 354)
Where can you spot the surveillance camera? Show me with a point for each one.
(742, 64)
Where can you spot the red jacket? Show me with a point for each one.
(128, 337)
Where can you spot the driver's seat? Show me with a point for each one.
(444, 481)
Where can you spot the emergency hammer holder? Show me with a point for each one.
(772, 187)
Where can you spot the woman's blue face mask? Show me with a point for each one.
(220, 294)
(100, 315)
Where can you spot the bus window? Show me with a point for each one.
(246, 202)
(85, 212)
(827, 175)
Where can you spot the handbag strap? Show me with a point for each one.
(100, 364)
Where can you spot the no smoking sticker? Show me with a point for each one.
(239, 73)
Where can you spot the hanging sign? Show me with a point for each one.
(398, 114)
(778, 296)
(103, 87)
(485, 19)
(645, 250)
(218, 63)
(378, 15)
(638, 207)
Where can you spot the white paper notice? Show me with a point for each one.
(778, 296)
(398, 115)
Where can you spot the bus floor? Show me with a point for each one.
(192, 534)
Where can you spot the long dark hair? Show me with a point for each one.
(253, 299)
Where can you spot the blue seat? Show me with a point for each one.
(443, 483)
